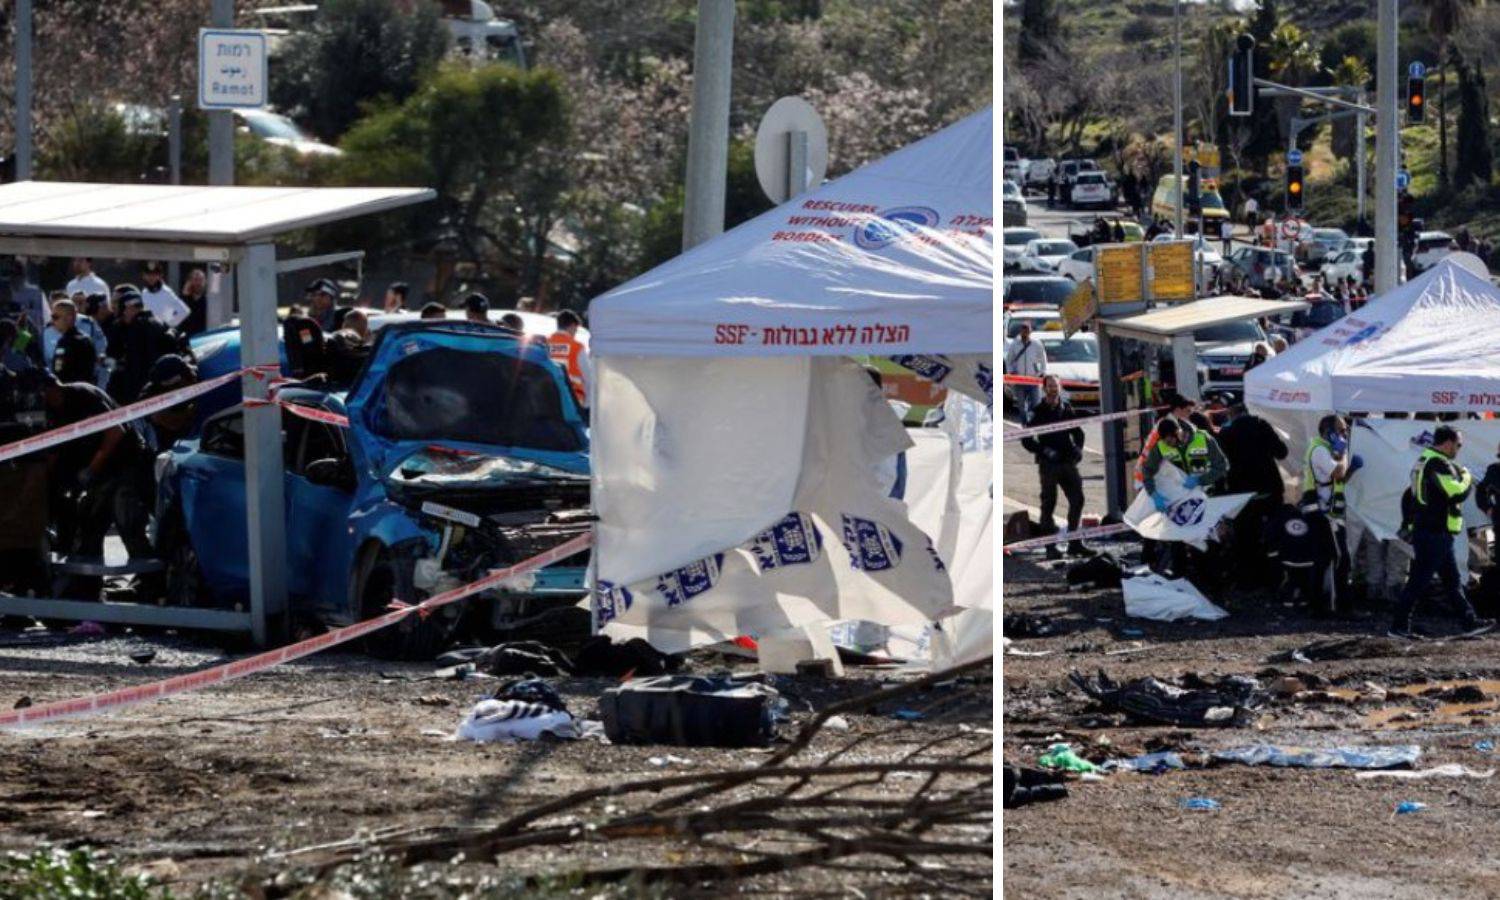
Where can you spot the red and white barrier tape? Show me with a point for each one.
(304, 412)
(1081, 534)
(131, 411)
(1037, 381)
(182, 684)
(1015, 434)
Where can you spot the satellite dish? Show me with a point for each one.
(772, 154)
(1469, 261)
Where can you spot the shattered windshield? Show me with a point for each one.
(442, 467)
(443, 394)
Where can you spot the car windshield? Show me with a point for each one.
(1092, 178)
(1330, 236)
(1075, 350)
(1211, 200)
(1020, 236)
(1229, 333)
(269, 125)
(1051, 291)
(1012, 192)
(445, 394)
(1054, 248)
(1324, 314)
(1036, 323)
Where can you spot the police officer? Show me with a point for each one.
(74, 357)
(1439, 487)
(1057, 456)
(1326, 468)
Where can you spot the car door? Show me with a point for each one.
(211, 483)
(319, 553)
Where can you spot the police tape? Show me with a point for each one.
(127, 413)
(1036, 380)
(1015, 434)
(310, 413)
(1082, 534)
(193, 681)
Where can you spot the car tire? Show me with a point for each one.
(185, 584)
(415, 637)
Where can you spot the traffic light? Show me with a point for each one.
(1294, 194)
(1195, 188)
(1242, 77)
(1416, 100)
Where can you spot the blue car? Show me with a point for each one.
(464, 452)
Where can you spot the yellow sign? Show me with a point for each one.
(1172, 271)
(1078, 309)
(1117, 273)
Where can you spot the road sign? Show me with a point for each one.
(1416, 70)
(1079, 308)
(232, 70)
(1291, 228)
(1170, 271)
(776, 143)
(1294, 157)
(1117, 275)
(1403, 180)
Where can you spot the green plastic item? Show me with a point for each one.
(1061, 756)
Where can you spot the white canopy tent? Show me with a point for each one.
(735, 446)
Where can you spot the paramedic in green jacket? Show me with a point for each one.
(1439, 485)
(1197, 454)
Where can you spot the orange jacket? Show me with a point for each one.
(565, 350)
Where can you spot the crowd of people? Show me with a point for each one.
(91, 348)
(1300, 545)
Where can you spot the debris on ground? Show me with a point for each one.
(1062, 757)
(1150, 596)
(1228, 703)
(1450, 770)
(1360, 647)
(1199, 803)
(1406, 807)
(1021, 626)
(1102, 572)
(1149, 763)
(691, 711)
(1025, 786)
(1403, 756)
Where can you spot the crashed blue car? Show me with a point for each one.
(464, 452)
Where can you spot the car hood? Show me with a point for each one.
(413, 420)
(1075, 371)
(1241, 348)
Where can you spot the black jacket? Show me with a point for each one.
(1058, 446)
(1299, 539)
(140, 344)
(1252, 447)
(74, 357)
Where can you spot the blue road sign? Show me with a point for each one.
(1294, 157)
(1416, 70)
(1403, 180)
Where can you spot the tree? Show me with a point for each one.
(1475, 160)
(743, 200)
(491, 142)
(1351, 71)
(1265, 125)
(356, 52)
(1293, 61)
(1041, 30)
(1444, 18)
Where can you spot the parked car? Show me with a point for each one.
(464, 452)
(1091, 189)
(1068, 171)
(1431, 246)
(1044, 290)
(1037, 172)
(1043, 255)
(1320, 245)
(1074, 359)
(1205, 256)
(1013, 204)
(1350, 262)
(1253, 267)
(1011, 167)
(1013, 244)
(1223, 352)
(1164, 200)
(1320, 314)
(1078, 266)
(479, 34)
(1040, 318)
(274, 128)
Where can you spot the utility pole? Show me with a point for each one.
(708, 131)
(1387, 149)
(23, 90)
(174, 169)
(1177, 109)
(220, 299)
(1360, 155)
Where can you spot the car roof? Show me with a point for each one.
(1034, 279)
(1433, 235)
(1058, 337)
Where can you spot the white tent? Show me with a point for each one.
(1430, 345)
(735, 445)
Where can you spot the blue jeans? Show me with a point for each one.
(1433, 556)
(1027, 397)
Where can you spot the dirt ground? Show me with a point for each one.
(1279, 832)
(211, 785)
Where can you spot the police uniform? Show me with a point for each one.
(74, 357)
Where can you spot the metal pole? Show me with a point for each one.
(1359, 158)
(1111, 399)
(1387, 149)
(174, 165)
(264, 492)
(708, 131)
(796, 163)
(1177, 109)
(221, 171)
(23, 90)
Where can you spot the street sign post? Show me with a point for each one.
(1294, 157)
(1416, 70)
(232, 69)
(791, 149)
(1403, 180)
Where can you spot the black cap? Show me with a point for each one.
(477, 302)
(129, 296)
(323, 285)
(150, 267)
(171, 371)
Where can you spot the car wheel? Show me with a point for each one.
(184, 581)
(415, 637)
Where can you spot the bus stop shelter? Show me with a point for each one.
(1171, 327)
(234, 226)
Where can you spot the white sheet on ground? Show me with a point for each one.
(1167, 600)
